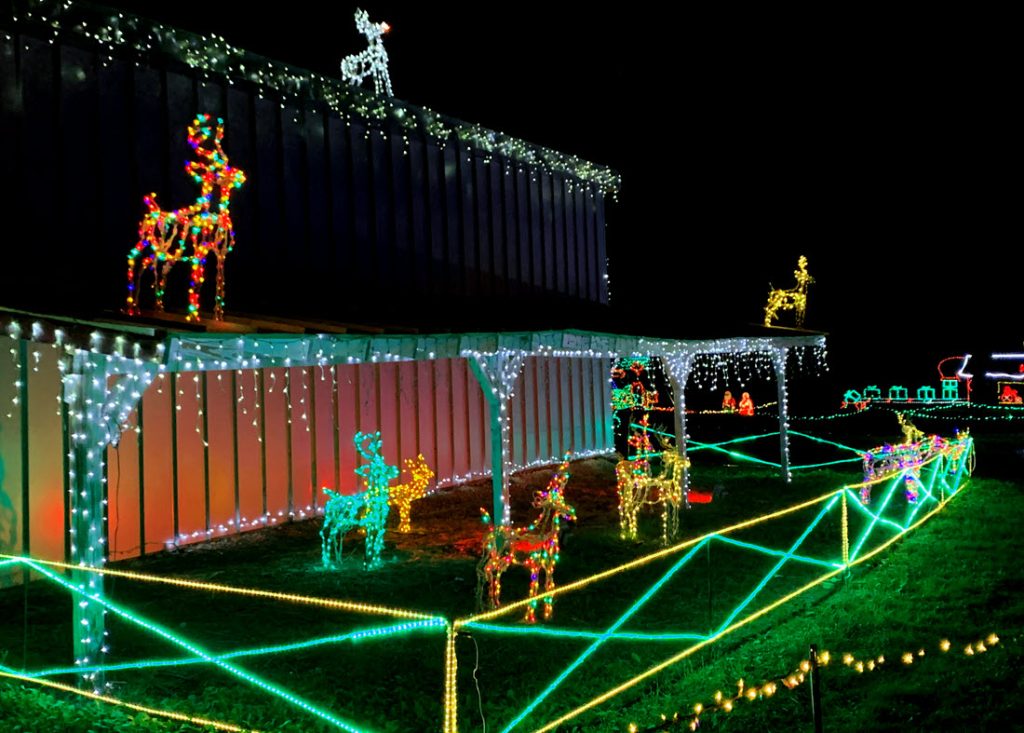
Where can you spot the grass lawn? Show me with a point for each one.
(955, 577)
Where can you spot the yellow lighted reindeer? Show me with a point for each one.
(638, 487)
(403, 495)
(794, 299)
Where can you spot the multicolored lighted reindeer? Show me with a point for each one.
(638, 487)
(372, 62)
(367, 510)
(793, 299)
(190, 234)
(403, 495)
(535, 547)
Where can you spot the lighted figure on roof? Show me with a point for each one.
(535, 547)
(728, 402)
(373, 61)
(367, 510)
(746, 405)
(191, 234)
(794, 299)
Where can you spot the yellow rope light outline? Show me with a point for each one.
(608, 694)
(353, 606)
(133, 706)
(640, 561)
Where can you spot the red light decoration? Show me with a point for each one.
(746, 405)
(728, 402)
(1010, 396)
(190, 234)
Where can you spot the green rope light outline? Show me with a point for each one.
(695, 445)
(940, 467)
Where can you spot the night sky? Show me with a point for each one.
(879, 146)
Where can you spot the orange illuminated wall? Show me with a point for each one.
(208, 453)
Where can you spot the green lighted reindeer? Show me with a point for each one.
(367, 510)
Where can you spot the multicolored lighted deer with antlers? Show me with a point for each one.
(535, 547)
(189, 235)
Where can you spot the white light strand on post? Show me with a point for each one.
(679, 368)
(779, 357)
(497, 374)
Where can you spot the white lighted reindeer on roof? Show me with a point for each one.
(373, 62)
(794, 299)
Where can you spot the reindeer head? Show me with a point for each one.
(372, 31)
(212, 169)
(419, 472)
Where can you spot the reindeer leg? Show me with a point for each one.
(531, 607)
(195, 280)
(549, 585)
(218, 301)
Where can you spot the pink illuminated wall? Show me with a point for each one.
(208, 453)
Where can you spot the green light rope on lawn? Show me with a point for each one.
(778, 566)
(605, 636)
(377, 632)
(200, 652)
(777, 553)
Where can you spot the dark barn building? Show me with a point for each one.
(356, 208)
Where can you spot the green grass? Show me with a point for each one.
(956, 576)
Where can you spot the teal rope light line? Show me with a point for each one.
(581, 634)
(200, 652)
(777, 553)
(823, 465)
(778, 566)
(745, 439)
(881, 509)
(649, 429)
(734, 454)
(825, 441)
(938, 466)
(604, 637)
(860, 505)
(379, 632)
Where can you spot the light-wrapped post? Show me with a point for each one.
(497, 375)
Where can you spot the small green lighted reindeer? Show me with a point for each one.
(367, 509)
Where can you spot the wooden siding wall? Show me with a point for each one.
(224, 447)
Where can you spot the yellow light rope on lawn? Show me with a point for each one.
(583, 582)
(132, 706)
(356, 607)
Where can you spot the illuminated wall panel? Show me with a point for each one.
(302, 439)
(220, 411)
(47, 467)
(275, 437)
(191, 455)
(158, 463)
(250, 449)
